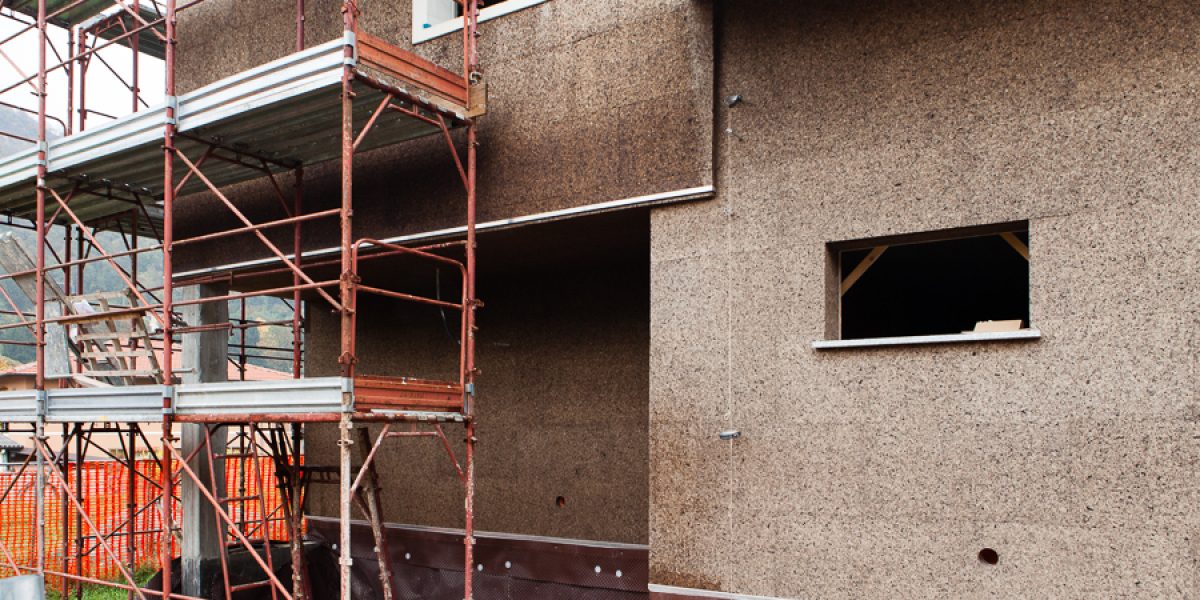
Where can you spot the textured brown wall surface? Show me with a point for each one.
(882, 473)
(564, 350)
(588, 102)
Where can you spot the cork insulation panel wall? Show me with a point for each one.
(562, 423)
(569, 121)
(887, 473)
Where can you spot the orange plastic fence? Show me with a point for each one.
(105, 498)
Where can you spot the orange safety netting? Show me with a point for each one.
(103, 491)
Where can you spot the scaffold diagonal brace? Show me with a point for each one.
(262, 237)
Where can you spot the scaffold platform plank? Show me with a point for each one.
(278, 116)
(315, 398)
(113, 23)
(66, 13)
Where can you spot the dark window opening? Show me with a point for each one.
(901, 287)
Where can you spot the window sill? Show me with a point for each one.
(921, 340)
(487, 13)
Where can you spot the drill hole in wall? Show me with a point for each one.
(561, 502)
(988, 556)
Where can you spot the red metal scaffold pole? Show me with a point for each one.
(470, 70)
(168, 477)
(40, 300)
(346, 358)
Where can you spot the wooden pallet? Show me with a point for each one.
(112, 339)
(106, 331)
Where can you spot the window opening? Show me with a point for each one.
(941, 283)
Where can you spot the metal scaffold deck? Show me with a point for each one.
(111, 358)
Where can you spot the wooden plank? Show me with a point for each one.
(406, 393)
(408, 67)
(121, 373)
(58, 344)
(422, 63)
(116, 354)
(440, 78)
(1016, 243)
(14, 259)
(98, 296)
(405, 382)
(86, 381)
(106, 335)
(995, 326)
(128, 314)
(862, 267)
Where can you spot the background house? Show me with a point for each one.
(10, 451)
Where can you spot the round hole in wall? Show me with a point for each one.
(988, 556)
(560, 501)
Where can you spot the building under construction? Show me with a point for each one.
(783, 299)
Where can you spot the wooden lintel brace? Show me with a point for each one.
(862, 267)
(1016, 243)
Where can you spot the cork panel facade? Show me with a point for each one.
(1059, 466)
(562, 397)
(587, 103)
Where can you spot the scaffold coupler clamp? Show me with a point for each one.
(172, 112)
(347, 395)
(41, 403)
(350, 40)
(169, 400)
(468, 397)
(43, 158)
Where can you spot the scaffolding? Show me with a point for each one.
(106, 362)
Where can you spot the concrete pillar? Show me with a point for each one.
(205, 360)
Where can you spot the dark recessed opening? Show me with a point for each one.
(988, 556)
(932, 287)
(560, 501)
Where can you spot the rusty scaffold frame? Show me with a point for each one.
(122, 372)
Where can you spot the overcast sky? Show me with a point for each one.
(105, 92)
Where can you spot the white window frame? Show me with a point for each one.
(420, 11)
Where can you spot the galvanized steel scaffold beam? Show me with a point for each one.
(278, 437)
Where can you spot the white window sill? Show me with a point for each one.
(920, 340)
(487, 13)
